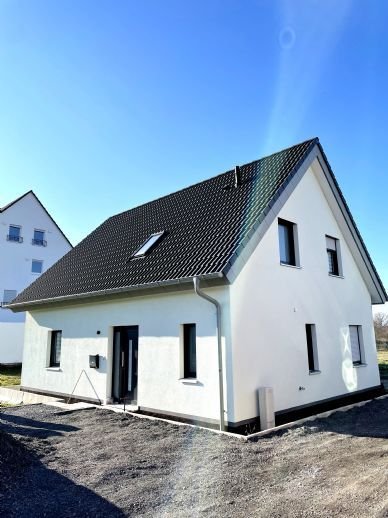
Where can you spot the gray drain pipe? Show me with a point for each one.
(200, 293)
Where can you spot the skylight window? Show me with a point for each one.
(148, 244)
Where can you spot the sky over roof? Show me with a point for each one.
(108, 105)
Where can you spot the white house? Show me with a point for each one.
(30, 242)
(186, 306)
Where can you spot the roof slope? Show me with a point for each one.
(204, 225)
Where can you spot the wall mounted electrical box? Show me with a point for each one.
(94, 361)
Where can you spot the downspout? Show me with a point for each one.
(215, 302)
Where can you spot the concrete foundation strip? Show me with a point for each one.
(17, 397)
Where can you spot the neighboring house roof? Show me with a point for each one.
(204, 226)
(14, 202)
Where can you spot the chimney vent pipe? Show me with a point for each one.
(237, 176)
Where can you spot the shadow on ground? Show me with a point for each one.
(28, 489)
(15, 424)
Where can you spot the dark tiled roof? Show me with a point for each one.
(204, 225)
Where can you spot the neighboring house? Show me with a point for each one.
(30, 242)
(273, 242)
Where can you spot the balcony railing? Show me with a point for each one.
(39, 242)
(16, 239)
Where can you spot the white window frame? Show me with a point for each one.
(44, 236)
(314, 347)
(337, 250)
(20, 238)
(36, 261)
(4, 301)
(295, 239)
(359, 345)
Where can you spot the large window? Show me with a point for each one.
(356, 344)
(14, 234)
(333, 255)
(312, 352)
(287, 243)
(55, 349)
(189, 351)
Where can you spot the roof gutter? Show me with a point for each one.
(215, 302)
(184, 281)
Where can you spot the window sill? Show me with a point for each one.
(54, 369)
(335, 276)
(313, 373)
(358, 365)
(189, 381)
(291, 266)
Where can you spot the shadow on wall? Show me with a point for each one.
(31, 490)
(349, 373)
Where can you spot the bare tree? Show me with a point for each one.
(380, 322)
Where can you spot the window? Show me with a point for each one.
(38, 238)
(148, 244)
(36, 266)
(333, 254)
(287, 241)
(356, 344)
(312, 352)
(189, 351)
(55, 348)
(8, 296)
(14, 234)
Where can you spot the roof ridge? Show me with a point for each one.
(7, 205)
(314, 139)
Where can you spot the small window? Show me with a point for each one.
(8, 296)
(14, 234)
(39, 238)
(312, 352)
(333, 255)
(55, 348)
(148, 244)
(36, 266)
(189, 351)
(287, 242)
(356, 344)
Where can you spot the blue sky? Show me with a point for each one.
(105, 105)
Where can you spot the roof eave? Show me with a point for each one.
(212, 279)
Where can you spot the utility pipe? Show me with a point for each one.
(215, 302)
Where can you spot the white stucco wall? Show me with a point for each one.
(270, 305)
(15, 265)
(11, 334)
(159, 319)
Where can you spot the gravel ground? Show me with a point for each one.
(98, 463)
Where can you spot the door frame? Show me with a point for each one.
(129, 397)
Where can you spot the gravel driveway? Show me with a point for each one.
(98, 463)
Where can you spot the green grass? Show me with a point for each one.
(9, 375)
(382, 355)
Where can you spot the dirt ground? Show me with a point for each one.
(56, 463)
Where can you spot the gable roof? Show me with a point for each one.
(14, 202)
(204, 227)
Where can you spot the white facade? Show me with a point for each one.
(264, 309)
(271, 303)
(16, 263)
